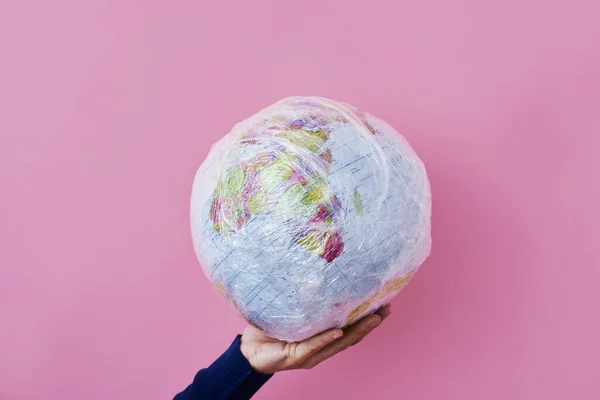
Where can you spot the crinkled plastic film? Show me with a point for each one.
(310, 215)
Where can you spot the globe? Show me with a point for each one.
(310, 215)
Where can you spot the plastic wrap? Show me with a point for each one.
(310, 215)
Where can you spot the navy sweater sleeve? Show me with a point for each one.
(230, 377)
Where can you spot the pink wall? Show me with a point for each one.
(108, 107)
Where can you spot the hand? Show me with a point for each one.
(267, 355)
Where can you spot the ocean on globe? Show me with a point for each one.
(310, 215)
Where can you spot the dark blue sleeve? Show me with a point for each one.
(230, 377)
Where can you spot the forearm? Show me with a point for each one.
(230, 377)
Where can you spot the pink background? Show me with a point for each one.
(108, 107)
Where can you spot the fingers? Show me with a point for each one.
(353, 335)
(384, 311)
(309, 347)
(358, 331)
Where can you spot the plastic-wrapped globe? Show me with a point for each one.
(310, 215)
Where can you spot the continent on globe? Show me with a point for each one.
(310, 215)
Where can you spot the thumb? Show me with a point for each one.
(312, 346)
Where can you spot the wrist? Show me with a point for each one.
(244, 349)
(248, 350)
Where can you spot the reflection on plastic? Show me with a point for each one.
(310, 215)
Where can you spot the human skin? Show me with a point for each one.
(267, 355)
